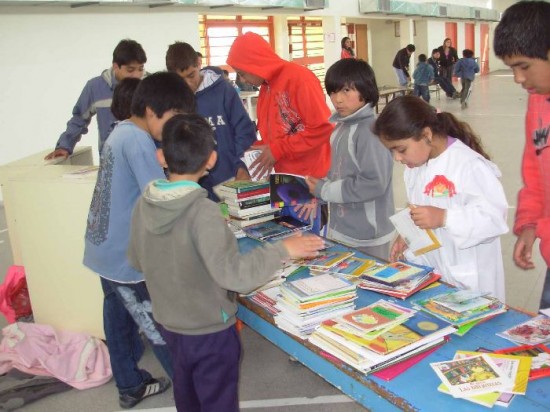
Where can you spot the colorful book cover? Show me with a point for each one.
(540, 358)
(352, 267)
(532, 332)
(239, 186)
(276, 228)
(394, 272)
(375, 316)
(288, 190)
(471, 376)
(325, 260)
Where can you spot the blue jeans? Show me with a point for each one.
(422, 91)
(401, 78)
(126, 309)
(446, 85)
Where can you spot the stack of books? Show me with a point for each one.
(531, 332)
(540, 355)
(462, 308)
(304, 303)
(398, 279)
(484, 378)
(325, 262)
(380, 335)
(247, 202)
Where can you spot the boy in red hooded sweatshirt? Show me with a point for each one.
(292, 111)
(522, 41)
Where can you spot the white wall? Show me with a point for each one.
(48, 54)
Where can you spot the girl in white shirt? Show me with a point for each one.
(455, 190)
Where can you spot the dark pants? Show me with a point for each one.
(422, 91)
(446, 85)
(545, 298)
(126, 309)
(206, 370)
(466, 83)
(447, 72)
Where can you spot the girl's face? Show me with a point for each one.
(347, 43)
(410, 152)
(448, 43)
(347, 101)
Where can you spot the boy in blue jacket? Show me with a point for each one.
(466, 68)
(128, 61)
(423, 76)
(220, 104)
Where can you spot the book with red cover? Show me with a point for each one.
(540, 365)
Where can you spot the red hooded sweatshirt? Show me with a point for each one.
(292, 111)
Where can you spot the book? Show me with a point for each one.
(248, 158)
(403, 289)
(392, 273)
(315, 287)
(254, 219)
(276, 229)
(243, 186)
(325, 260)
(255, 210)
(540, 362)
(418, 240)
(288, 190)
(376, 316)
(82, 173)
(534, 331)
(352, 267)
(463, 300)
(471, 376)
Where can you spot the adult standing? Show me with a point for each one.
(347, 50)
(401, 64)
(448, 57)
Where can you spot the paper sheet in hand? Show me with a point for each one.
(419, 240)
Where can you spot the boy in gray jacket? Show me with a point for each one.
(193, 268)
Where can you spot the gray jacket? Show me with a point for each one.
(191, 260)
(358, 187)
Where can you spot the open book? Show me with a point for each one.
(288, 190)
(418, 240)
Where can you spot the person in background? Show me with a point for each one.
(128, 61)
(199, 60)
(128, 163)
(401, 64)
(453, 189)
(347, 50)
(448, 58)
(121, 105)
(423, 76)
(522, 41)
(220, 104)
(194, 269)
(466, 68)
(358, 187)
(445, 84)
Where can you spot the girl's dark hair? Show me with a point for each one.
(343, 42)
(406, 117)
(122, 98)
(354, 73)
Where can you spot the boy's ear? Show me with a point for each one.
(161, 159)
(211, 162)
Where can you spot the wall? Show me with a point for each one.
(48, 54)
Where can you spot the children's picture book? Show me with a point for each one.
(472, 376)
(288, 190)
(352, 267)
(276, 229)
(464, 300)
(326, 260)
(532, 332)
(376, 316)
(540, 358)
(316, 286)
(82, 173)
(418, 240)
(394, 272)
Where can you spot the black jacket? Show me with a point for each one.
(401, 61)
(447, 62)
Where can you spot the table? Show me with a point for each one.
(413, 390)
(392, 92)
(247, 98)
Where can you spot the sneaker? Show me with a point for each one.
(153, 386)
(456, 95)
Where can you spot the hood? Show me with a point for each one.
(109, 78)
(211, 76)
(252, 54)
(363, 113)
(161, 208)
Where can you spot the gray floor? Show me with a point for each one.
(269, 381)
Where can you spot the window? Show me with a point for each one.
(306, 43)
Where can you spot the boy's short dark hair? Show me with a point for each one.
(180, 56)
(163, 91)
(411, 47)
(355, 73)
(467, 53)
(129, 51)
(122, 98)
(187, 143)
(524, 30)
(434, 51)
(422, 58)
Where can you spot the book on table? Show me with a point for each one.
(277, 228)
(418, 240)
(532, 332)
(540, 358)
(395, 272)
(403, 289)
(326, 260)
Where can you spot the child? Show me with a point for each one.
(128, 163)
(193, 268)
(522, 41)
(220, 104)
(128, 61)
(423, 75)
(359, 183)
(122, 100)
(453, 188)
(347, 51)
(466, 68)
(445, 84)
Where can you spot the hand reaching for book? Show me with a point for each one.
(397, 249)
(300, 245)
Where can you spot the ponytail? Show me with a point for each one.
(406, 117)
